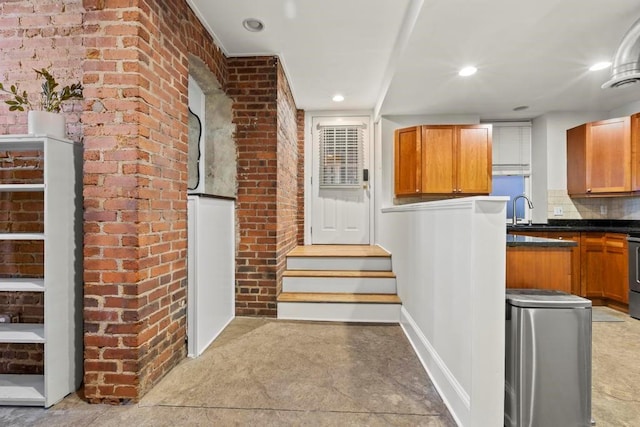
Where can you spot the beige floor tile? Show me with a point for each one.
(616, 372)
(265, 372)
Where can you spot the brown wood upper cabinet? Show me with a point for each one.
(600, 158)
(443, 160)
(408, 169)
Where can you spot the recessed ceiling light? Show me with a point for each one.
(252, 24)
(338, 98)
(600, 66)
(467, 71)
(521, 107)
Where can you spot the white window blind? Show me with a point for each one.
(511, 148)
(341, 149)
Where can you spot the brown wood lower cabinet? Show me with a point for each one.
(575, 257)
(599, 266)
(617, 287)
(547, 270)
(592, 265)
(604, 268)
(539, 268)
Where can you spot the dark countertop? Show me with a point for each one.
(597, 225)
(517, 240)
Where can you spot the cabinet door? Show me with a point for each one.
(617, 284)
(407, 161)
(575, 258)
(473, 159)
(593, 264)
(609, 156)
(577, 160)
(438, 159)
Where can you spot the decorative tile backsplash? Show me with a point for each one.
(592, 208)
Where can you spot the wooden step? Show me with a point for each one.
(339, 257)
(338, 298)
(339, 273)
(339, 283)
(338, 251)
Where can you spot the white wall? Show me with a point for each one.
(449, 259)
(539, 169)
(211, 270)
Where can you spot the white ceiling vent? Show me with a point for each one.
(626, 62)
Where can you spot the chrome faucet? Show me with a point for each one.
(513, 206)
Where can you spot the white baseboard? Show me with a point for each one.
(451, 391)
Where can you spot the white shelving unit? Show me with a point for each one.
(61, 332)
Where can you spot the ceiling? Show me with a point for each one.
(401, 57)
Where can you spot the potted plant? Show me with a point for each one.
(47, 119)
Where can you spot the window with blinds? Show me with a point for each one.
(340, 157)
(511, 148)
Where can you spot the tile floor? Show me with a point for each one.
(271, 373)
(615, 398)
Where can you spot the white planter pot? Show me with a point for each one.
(46, 123)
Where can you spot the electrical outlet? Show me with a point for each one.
(603, 209)
(558, 211)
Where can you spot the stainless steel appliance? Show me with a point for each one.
(547, 359)
(634, 276)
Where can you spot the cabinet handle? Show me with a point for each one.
(560, 238)
(417, 190)
(588, 190)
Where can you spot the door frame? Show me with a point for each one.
(309, 116)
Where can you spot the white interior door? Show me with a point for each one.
(340, 200)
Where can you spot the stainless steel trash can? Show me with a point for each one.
(547, 359)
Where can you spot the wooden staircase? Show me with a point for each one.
(347, 283)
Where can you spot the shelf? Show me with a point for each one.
(22, 390)
(21, 285)
(21, 143)
(22, 333)
(21, 187)
(21, 236)
(60, 340)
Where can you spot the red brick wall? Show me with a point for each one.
(33, 34)
(40, 34)
(132, 57)
(135, 183)
(287, 190)
(267, 136)
(300, 216)
(252, 83)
